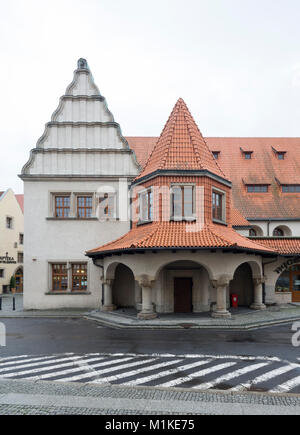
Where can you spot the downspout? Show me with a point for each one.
(101, 267)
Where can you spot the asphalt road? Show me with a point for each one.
(54, 336)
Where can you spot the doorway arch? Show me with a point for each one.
(19, 280)
(123, 289)
(242, 285)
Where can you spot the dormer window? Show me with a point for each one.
(216, 155)
(248, 155)
(291, 188)
(257, 188)
(279, 154)
(182, 203)
(146, 205)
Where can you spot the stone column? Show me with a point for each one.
(147, 312)
(221, 285)
(108, 297)
(258, 294)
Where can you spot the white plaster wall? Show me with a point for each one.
(294, 226)
(61, 240)
(9, 207)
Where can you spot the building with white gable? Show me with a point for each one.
(212, 218)
(81, 165)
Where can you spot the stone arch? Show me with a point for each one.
(181, 260)
(258, 230)
(124, 286)
(242, 283)
(286, 231)
(182, 286)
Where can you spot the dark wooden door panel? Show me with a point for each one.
(183, 295)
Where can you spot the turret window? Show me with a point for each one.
(218, 206)
(146, 205)
(183, 203)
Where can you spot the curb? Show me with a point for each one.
(246, 327)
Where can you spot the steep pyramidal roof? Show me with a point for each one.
(181, 146)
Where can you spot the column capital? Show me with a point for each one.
(108, 282)
(145, 281)
(221, 281)
(258, 280)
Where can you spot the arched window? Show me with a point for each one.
(252, 232)
(278, 232)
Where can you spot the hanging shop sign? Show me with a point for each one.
(7, 260)
(287, 264)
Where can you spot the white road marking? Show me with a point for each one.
(146, 379)
(16, 363)
(197, 374)
(43, 363)
(45, 369)
(287, 386)
(229, 376)
(91, 370)
(134, 372)
(265, 377)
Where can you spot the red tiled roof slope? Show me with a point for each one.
(284, 246)
(178, 235)
(237, 219)
(20, 199)
(264, 167)
(181, 146)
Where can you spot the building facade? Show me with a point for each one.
(182, 222)
(11, 240)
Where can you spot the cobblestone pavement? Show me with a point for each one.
(203, 372)
(28, 397)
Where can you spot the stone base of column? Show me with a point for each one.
(146, 316)
(221, 314)
(109, 308)
(258, 307)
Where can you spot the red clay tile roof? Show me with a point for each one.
(264, 167)
(176, 235)
(20, 199)
(238, 220)
(283, 245)
(181, 146)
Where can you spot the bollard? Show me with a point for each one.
(0, 304)
(14, 304)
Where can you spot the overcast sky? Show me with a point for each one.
(236, 63)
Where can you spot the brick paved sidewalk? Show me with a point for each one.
(26, 397)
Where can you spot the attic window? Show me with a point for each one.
(247, 154)
(291, 188)
(216, 154)
(257, 188)
(281, 156)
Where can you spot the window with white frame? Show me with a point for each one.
(182, 202)
(218, 206)
(107, 206)
(146, 205)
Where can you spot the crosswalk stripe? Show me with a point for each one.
(45, 369)
(90, 368)
(265, 377)
(146, 379)
(197, 374)
(287, 386)
(42, 363)
(16, 363)
(134, 372)
(229, 376)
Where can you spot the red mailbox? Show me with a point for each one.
(234, 301)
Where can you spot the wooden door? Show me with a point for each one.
(183, 302)
(19, 281)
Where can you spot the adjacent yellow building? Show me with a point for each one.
(11, 240)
